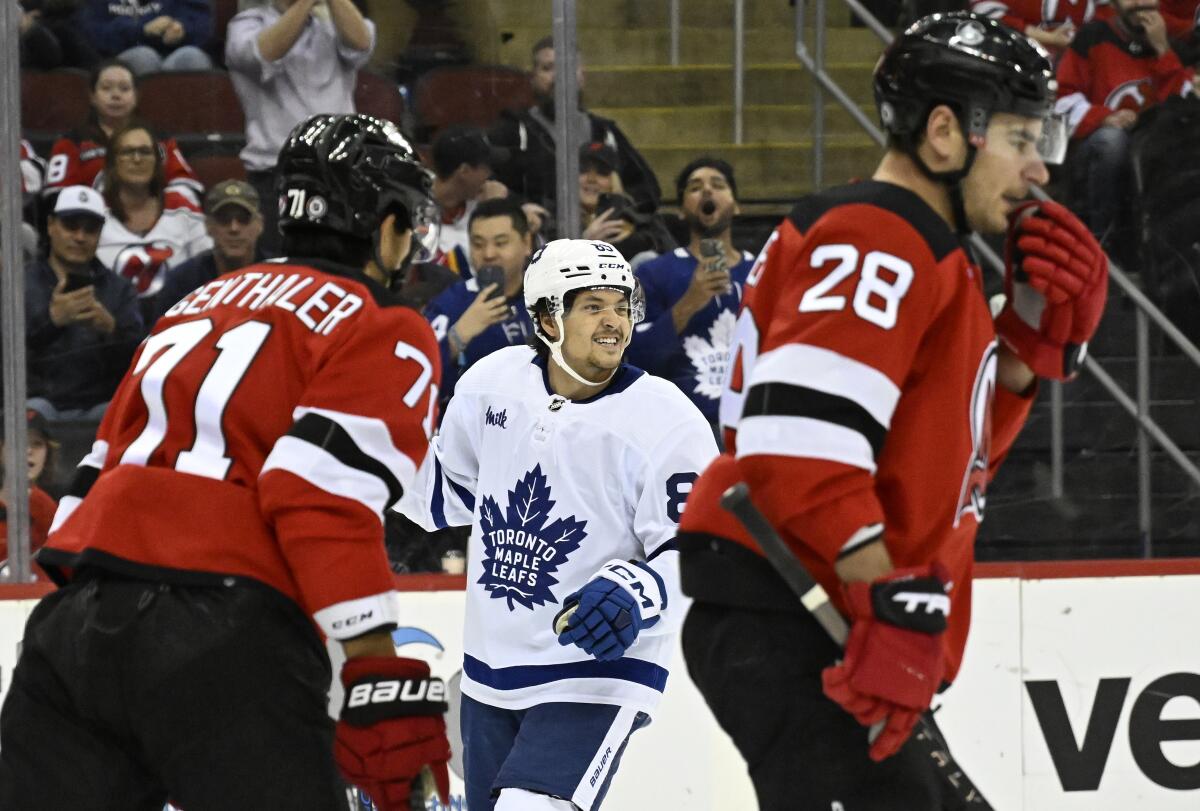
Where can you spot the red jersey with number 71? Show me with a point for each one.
(863, 393)
(265, 425)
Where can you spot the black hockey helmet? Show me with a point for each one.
(977, 65)
(346, 173)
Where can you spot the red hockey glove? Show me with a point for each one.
(392, 726)
(893, 661)
(1056, 283)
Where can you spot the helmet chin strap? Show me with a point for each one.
(395, 278)
(556, 353)
(952, 180)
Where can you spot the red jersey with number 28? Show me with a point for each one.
(265, 425)
(863, 392)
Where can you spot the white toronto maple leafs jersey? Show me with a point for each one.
(553, 489)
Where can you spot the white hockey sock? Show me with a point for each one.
(518, 799)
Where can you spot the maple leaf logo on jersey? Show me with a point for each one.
(521, 550)
(710, 357)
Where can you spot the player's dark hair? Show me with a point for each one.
(705, 162)
(318, 243)
(111, 190)
(540, 309)
(502, 207)
(334, 246)
(94, 80)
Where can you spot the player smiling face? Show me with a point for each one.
(1006, 168)
(596, 330)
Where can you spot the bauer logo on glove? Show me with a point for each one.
(1055, 285)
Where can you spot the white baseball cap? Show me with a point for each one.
(80, 200)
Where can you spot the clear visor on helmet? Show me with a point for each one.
(633, 307)
(427, 223)
(1052, 146)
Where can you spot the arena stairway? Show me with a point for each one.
(673, 114)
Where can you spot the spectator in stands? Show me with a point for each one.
(471, 321)
(40, 49)
(82, 322)
(462, 164)
(77, 159)
(529, 136)
(50, 36)
(693, 294)
(164, 35)
(149, 229)
(233, 220)
(610, 215)
(1054, 33)
(40, 451)
(1113, 71)
(290, 59)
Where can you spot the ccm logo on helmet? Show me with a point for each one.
(404, 690)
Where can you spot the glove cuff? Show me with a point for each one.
(381, 687)
(641, 582)
(1046, 358)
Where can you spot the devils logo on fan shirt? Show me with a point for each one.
(142, 265)
(1128, 95)
(972, 497)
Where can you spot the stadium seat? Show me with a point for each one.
(195, 108)
(378, 96)
(474, 95)
(53, 102)
(212, 169)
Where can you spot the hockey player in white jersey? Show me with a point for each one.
(571, 468)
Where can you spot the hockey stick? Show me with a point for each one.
(814, 598)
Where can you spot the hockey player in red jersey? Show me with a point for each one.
(868, 405)
(230, 513)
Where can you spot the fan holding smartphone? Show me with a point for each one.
(475, 317)
(83, 320)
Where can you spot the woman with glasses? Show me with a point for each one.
(77, 158)
(149, 229)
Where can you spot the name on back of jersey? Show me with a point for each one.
(320, 311)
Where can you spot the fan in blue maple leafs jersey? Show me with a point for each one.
(572, 469)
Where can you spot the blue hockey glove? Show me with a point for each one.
(605, 617)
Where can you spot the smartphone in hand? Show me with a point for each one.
(77, 281)
(491, 274)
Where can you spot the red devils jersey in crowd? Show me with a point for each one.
(265, 425)
(33, 169)
(863, 394)
(1049, 14)
(1103, 72)
(77, 159)
(1180, 16)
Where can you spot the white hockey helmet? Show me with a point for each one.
(565, 266)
